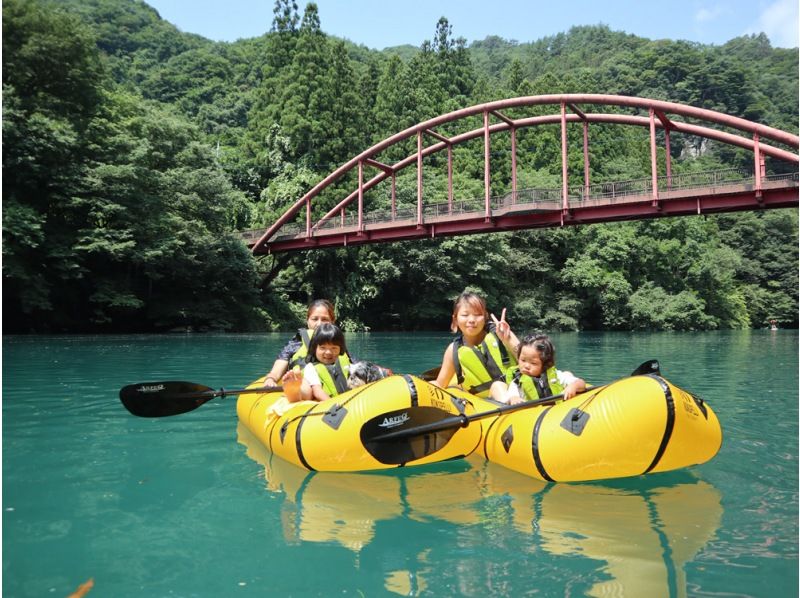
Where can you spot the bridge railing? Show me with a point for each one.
(538, 199)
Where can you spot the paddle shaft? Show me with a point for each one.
(462, 421)
(225, 393)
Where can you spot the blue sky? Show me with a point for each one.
(378, 24)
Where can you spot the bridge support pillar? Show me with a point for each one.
(759, 164)
(419, 178)
(653, 157)
(487, 173)
(564, 169)
(513, 165)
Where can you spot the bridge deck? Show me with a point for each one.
(537, 208)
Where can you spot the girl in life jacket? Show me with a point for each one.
(482, 351)
(325, 375)
(320, 311)
(536, 376)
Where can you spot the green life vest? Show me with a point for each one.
(532, 388)
(477, 367)
(334, 377)
(299, 356)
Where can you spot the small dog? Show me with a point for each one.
(364, 372)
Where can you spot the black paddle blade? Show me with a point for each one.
(397, 451)
(161, 399)
(648, 367)
(431, 374)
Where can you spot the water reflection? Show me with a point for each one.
(640, 533)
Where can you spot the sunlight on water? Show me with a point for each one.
(193, 505)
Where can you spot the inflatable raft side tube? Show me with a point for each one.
(670, 422)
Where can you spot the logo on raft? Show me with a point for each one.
(393, 422)
(151, 388)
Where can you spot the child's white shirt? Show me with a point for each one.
(311, 375)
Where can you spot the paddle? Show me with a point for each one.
(160, 399)
(431, 374)
(421, 431)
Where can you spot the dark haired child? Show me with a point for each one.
(481, 353)
(535, 375)
(295, 352)
(325, 374)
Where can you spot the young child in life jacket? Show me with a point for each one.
(482, 351)
(325, 375)
(320, 311)
(536, 376)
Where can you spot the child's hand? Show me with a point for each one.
(571, 390)
(501, 327)
(515, 400)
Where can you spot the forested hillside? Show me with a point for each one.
(133, 153)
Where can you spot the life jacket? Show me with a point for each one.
(299, 356)
(334, 377)
(532, 388)
(477, 367)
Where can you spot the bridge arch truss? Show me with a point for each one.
(653, 196)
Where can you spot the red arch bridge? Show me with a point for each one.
(577, 201)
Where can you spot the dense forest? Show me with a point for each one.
(133, 153)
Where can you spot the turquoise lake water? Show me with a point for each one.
(192, 506)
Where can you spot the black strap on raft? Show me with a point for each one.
(537, 459)
(670, 424)
(299, 444)
(701, 404)
(412, 390)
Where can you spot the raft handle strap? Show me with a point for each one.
(334, 416)
(701, 404)
(575, 421)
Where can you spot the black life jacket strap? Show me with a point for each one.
(339, 379)
(456, 363)
(304, 337)
(517, 378)
(488, 361)
(542, 385)
(484, 357)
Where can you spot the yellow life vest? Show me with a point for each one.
(477, 367)
(299, 356)
(334, 377)
(532, 388)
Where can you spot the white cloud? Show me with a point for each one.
(779, 21)
(705, 15)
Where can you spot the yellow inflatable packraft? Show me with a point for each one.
(333, 435)
(633, 426)
(636, 425)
